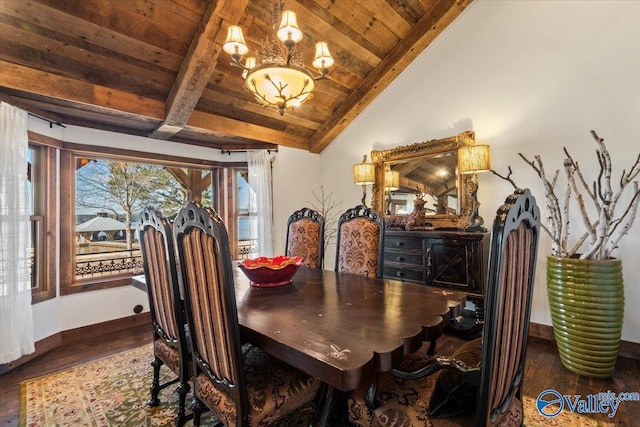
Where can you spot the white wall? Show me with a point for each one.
(295, 178)
(526, 76)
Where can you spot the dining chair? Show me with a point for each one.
(239, 393)
(305, 237)
(359, 242)
(170, 345)
(481, 383)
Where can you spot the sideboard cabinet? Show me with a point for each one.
(450, 259)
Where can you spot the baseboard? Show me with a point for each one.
(80, 334)
(627, 349)
(72, 336)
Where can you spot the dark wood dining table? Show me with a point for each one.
(341, 328)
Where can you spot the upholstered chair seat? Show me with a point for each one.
(275, 390)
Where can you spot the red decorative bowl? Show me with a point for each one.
(265, 272)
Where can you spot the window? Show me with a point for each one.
(41, 187)
(109, 196)
(247, 223)
(99, 247)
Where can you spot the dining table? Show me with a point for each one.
(342, 328)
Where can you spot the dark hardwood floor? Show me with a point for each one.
(544, 371)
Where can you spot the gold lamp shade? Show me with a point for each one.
(473, 159)
(391, 180)
(363, 173)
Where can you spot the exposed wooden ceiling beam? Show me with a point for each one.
(416, 40)
(231, 127)
(198, 66)
(123, 104)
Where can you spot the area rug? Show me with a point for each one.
(114, 392)
(108, 392)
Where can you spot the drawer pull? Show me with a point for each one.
(399, 243)
(400, 274)
(400, 259)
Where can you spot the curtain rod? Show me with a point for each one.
(51, 122)
(275, 150)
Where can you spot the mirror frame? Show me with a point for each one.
(419, 149)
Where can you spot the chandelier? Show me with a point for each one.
(278, 77)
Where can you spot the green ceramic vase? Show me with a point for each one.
(586, 298)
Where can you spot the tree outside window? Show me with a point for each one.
(109, 196)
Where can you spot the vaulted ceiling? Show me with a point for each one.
(157, 68)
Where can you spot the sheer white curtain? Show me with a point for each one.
(260, 181)
(16, 316)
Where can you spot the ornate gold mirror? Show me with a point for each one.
(428, 169)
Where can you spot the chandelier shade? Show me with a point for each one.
(279, 85)
(277, 77)
(235, 44)
(289, 30)
(323, 58)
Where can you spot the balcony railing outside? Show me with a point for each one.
(108, 260)
(247, 249)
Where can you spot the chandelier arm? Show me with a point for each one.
(235, 61)
(323, 74)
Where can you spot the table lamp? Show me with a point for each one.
(391, 183)
(364, 174)
(473, 159)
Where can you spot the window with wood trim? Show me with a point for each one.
(103, 198)
(246, 216)
(41, 186)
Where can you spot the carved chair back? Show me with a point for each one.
(360, 241)
(512, 260)
(204, 257)
(240, 384)
(165, 304)
(305, 237)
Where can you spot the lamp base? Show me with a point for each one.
(364, 196)
(475, 220)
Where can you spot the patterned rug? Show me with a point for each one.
(108, 392)
(114, 391)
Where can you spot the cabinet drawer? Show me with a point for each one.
(391, 242)
(404, 257)
(403, 273)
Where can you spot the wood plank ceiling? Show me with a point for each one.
(156, 67)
